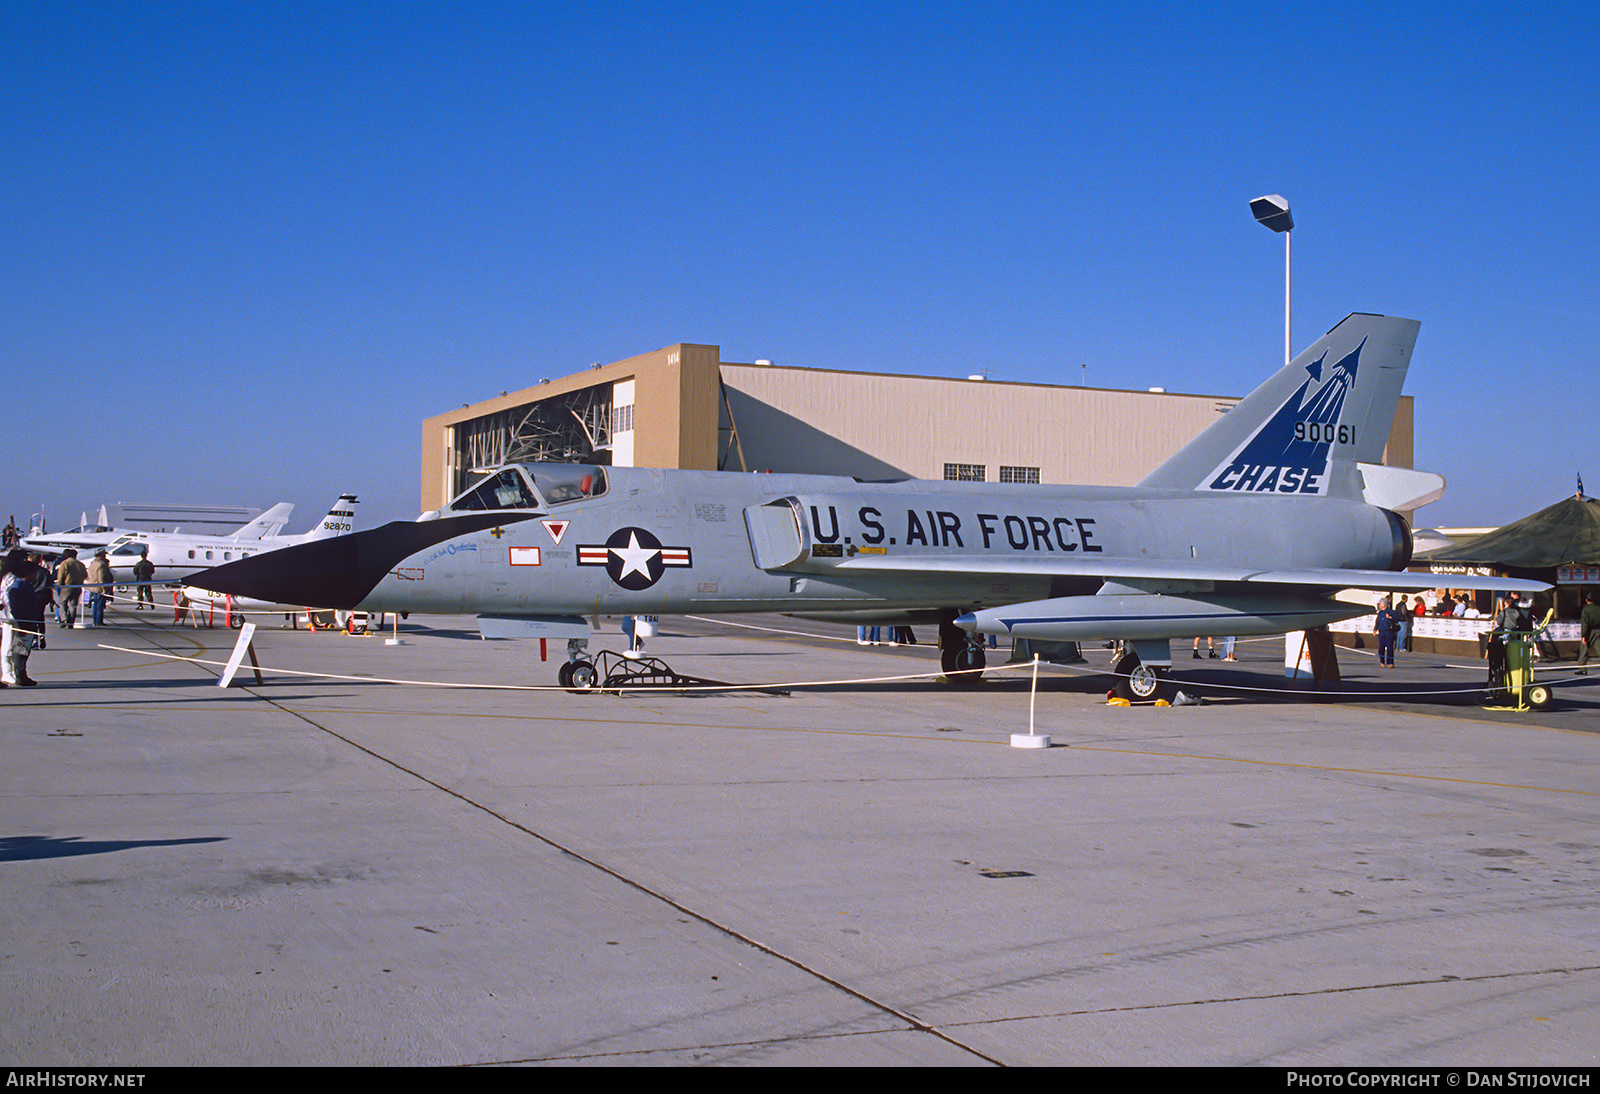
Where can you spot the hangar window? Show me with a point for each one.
(1019, 474)
(622, 419)
(966, 472)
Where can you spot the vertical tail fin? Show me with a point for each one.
(269, 523)
(340, 521)
(1306, 428)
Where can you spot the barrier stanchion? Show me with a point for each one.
(240, 648)
(1031, 739)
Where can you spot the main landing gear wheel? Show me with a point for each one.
(1137, 682)
(963, 663)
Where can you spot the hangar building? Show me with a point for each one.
(685, 407)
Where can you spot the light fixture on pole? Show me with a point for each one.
(1272, 210)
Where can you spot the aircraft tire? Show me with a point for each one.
(959, 661)
(582, 677)
(976, 659)
(564, 674)
(235, 620)
(1541, 697)
(1138, 682)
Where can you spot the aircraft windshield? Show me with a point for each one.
(570, 482)
(504, 490)
(127, 547)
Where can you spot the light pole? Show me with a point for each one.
(1273, 211)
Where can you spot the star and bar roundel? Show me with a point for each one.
(633, 557)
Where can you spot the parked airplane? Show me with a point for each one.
(1252, 528)
(177, 555)
(87, 538)
(84, 538)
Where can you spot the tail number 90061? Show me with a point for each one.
(1324, 432)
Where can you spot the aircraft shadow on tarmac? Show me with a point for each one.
(1235, 684)
(26, 848)
(1454, 691)
(50, 684)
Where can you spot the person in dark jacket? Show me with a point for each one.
(1387, 626)
(1589, 631)
(44, 587)
(21, 617)
(144, 571)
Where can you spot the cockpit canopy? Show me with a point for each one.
(540, 486)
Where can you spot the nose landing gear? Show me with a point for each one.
(577, 676)
(577, 672)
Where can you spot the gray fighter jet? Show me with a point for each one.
(1252, 528)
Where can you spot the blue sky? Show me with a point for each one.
(251, 247)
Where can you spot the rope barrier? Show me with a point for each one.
(900, 678)
(652, 689)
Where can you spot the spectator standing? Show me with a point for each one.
(19, 609)
(1387, 626)
(98, 580)
(143, 572)
(1589, 631)
(70, 575)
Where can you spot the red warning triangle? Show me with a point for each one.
(556, 528)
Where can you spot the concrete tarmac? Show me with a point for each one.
(358, 869)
